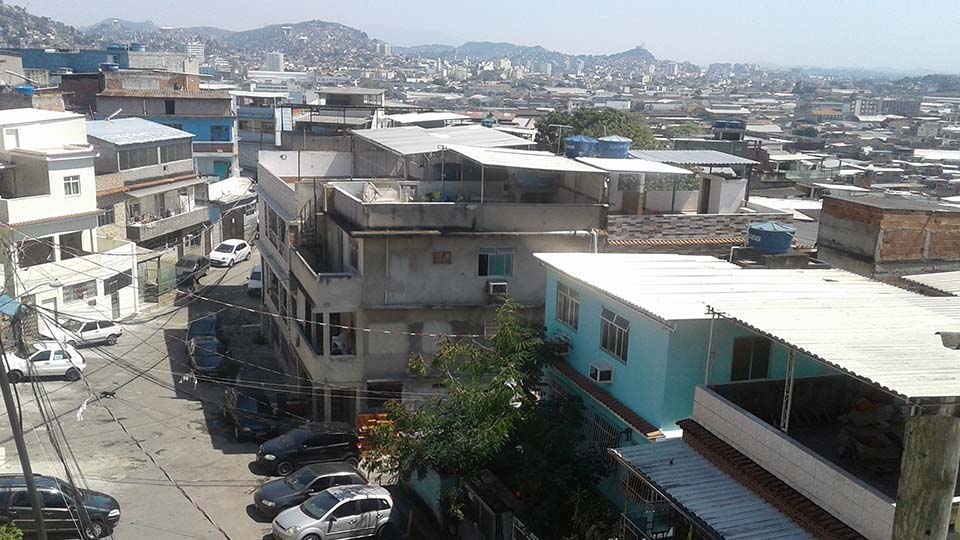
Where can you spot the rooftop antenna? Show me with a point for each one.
(114, 113)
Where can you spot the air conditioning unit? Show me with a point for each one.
(498, 288)
(564, 347)
(601, 373)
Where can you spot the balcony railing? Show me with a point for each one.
(226, 147)
(336, 291)
(146, 230)
(650, 522)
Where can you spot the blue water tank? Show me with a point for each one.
(614, 146)
(109, 67)
(580, 145)
(488, 122)
(25, 90)
(116, 47)
(138, 47)
(770, 237)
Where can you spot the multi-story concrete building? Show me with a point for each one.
(408, 260)
(91, 60)
(51, 253)
(176, 100)
(259, 124)
(146, 184)
(273, 61)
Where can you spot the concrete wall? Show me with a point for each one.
(156, 107)
(117, 180)
(80, 61)
(857, 504)
(685, 225)
(669, 201)
(307, 164)
(45, 134)
(56, 203)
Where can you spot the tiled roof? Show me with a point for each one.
(55, 219)
(800, 509)
(694, 241)
(172, 94)
(611, 403)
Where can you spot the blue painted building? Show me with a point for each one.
(79, 61)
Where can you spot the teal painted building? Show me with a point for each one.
(641, 339)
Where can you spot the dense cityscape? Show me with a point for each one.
(301, 283)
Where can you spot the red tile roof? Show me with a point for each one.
(744, 470)
(611, 403)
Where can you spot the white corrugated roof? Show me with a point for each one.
(632, 166)
(412, 140)
(523, 159)
(881, 334)
(705, 158)
(122, 131)
(412, 118)
(702, 491)
(10, 117)
(948, 282)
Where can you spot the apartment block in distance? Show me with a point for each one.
(52, 255)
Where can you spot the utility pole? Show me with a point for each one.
(928, 477)
(560, 128)
(17, 428)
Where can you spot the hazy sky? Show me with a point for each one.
(904, 34)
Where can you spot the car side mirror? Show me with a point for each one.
(332, 519)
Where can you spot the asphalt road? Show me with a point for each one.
(159, 445)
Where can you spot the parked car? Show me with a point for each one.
(255, 281)
(229, 252)
(50, 358)
(314, 443)
(209, 357)
(207, 325)
(342, 512)
(259, 414)
(277, 495)
(194, 266)
(75, 332)
(66, 508)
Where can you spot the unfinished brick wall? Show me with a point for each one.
(626, 227)
(915, 235)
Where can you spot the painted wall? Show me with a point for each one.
(80, 61)
(200, 127)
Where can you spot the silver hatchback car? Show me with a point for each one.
(338, 513)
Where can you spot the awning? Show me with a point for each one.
(144, 192)
(632, 166)
(523, 159)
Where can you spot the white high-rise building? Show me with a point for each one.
(195, 49)
(273, 61)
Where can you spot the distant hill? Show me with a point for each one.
(635, 54)
(120, 30)
(489, 50)
(18, 28)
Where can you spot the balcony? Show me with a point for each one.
(650, 522)
(330, 291)
(838, 452)
(155, 228)
(225, 147)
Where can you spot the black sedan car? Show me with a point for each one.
(278, 495)
(314, 443)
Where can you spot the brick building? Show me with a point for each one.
(888, 236)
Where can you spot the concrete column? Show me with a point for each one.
(327, 405)
(928, 477)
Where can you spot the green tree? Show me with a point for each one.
(596, 123)
(10, 532)
(682, 130)
(807, 131)
(488, 392)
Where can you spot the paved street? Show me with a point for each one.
(159, 446)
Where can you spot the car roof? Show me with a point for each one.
(191, 258)
(51, 346)
(233, 242)
(17, 480)
(358, 491)
(335, 467)
(329, 427)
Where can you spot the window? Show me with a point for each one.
(751, 359)
(354, 253)
(347, 509)
(220, 133)
(605, 435)
(175, 152)
(133, 210)
(53, 499)
(80, 291)
(441, 257)
(169, 106)
(568, 306)
(614, 334)
(71, 185)
(108, 217)
(133, 158)
(41, 356)
(495, 262)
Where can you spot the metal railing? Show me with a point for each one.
(649, 522)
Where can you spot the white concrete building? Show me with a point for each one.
(273, 61)
(49, 249)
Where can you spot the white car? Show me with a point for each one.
(338, 513)
(77, 333)
(255, 281)
(229, 252)
(50, 359)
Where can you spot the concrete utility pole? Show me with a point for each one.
(928, 477)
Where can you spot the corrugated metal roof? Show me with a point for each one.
(689, 241)
(23, 116)
(947, 282)
(523, 159)
(123, 131)
(632, 166)
(411, 118)
(706, 158)
(876, 332)
(352, 90)
(171, 94)
(708, 495)
(417, 140)
(139, 193)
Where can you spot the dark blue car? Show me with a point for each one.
(208, 325)
(208, 357)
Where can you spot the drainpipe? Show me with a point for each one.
(594, 242)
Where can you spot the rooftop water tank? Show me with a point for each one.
(109, 67)
(25, 90)
(64, 70)
(580, 145)
(770, 237)
(138, 47)
(116, 47)
(614, 146)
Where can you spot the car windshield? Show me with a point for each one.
(294, 437)
(318, 505)
(224, 248)
(72, 325)
(300, 479)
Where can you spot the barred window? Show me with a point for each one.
(614, 334)
(568, 306)
(138, 157)
(605, 435)
(80, 291)
(71, 185)
(108, 217)
(176, 152)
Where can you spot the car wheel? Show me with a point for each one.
(94, 530)
(247, 258)
(284, 468)
(311, 537)
(15, 376)
(352, 461)
(112, 339)
(386, 532)
(72, 374)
